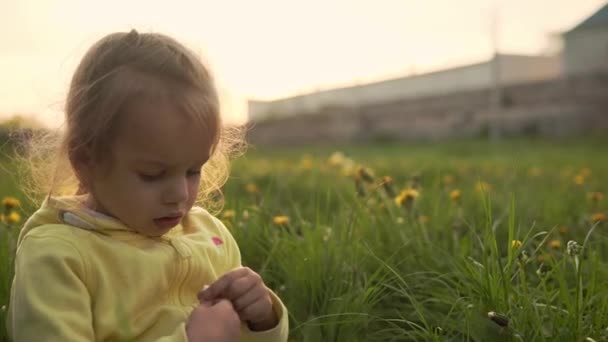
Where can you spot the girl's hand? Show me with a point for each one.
(214, 322)
(249, 296)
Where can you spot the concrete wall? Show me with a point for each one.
(513, 69)
(516, 69)
(558, 107)
(586, 50)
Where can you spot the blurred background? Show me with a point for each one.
(341, 70)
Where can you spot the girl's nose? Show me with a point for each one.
(177, 191)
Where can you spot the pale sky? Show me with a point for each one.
(268, 49)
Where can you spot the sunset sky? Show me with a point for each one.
(268, 49)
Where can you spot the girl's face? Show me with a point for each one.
(153, 174)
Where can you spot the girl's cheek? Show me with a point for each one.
(193, 187)
(147, 187)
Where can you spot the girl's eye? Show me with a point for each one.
(150, 177)
(194, 173)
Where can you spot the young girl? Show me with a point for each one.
(118, 251)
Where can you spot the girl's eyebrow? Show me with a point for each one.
(163, 164)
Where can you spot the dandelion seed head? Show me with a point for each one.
(573, 248)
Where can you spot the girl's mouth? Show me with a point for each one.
(167, 221)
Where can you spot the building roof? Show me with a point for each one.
(598, 19)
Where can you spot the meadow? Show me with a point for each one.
(453, 241)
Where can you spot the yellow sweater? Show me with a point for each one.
(83, 276)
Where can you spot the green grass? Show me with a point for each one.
(362, 268)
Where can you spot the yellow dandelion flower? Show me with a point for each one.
(252, 188)
(406, 196)
(579, 179)
(515, 244)
(455, 195)
(228, 214)
(411, 193)
(555, 244)
(595, 196)
(585, 172)
(598, 217)
(10, 203)
(280, 220)
(348, 167)
(562, 230)
(307, 162)
(13, 217)
(336, 159)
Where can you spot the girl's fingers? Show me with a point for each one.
(216, 289)
(249, 298)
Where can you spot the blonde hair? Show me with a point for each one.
(117, 69)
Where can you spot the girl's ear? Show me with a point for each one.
(81, 163)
